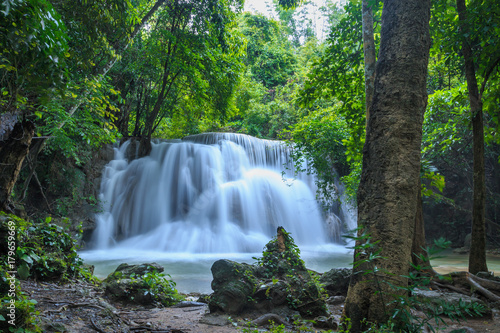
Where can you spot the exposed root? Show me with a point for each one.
(268, 319)
(457, 280)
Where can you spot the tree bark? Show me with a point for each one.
(369, 55)
(12, 156)
(390, 179)
(477, 255)
(419, 255)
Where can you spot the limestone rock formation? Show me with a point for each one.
(279, 280)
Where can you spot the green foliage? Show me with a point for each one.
(274, 328)
(269, 54)
(44, 251)
(339, 75)
(33, 52)
(162, 287)
(97, 31)
(25, 313)
(272, 257)
(318, 141)
(181, 73)
(89, 128)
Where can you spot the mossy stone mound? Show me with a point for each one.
(141, 284)
(279, 279)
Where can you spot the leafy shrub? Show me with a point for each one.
(23, 308)
(43, 251)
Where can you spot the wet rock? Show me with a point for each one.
(215, 319)
(336, 281)
(461, 250)
(270, 319)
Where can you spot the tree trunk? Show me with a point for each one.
(12, 156)
(390, 179)
(369, 55)
(477, 256)
(419, 254)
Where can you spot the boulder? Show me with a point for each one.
(127, 271)
(127, 284)
(233, 286)
(336, 281)
(280, 279)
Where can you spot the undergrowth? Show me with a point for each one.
(42, 251)
(401, 319)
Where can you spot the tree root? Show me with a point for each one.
(74, 305)
(456, 289)
(458, 281)
(269, 318)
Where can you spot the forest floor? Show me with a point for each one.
(82, 307)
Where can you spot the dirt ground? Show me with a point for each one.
(82, 307)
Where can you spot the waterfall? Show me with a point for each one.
(208, 193)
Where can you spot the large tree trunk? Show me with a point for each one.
(12, 156)
(390, 179)
(419, 255)
(369, 55)
(477, 256)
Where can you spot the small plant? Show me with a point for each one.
(162, 287)
(24, 308)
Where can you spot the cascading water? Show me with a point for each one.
(209, 193)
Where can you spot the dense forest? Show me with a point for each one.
(76, 76)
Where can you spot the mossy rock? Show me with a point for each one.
(126, 271)
(129, 290)
(141, 284)
(281, 278)
(233, 285)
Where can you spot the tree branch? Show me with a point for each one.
(487, 76)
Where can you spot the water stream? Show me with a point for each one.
(211, 196)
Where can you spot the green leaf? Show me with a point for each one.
(27, 259)
(24, 271)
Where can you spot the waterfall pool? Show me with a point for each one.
(217, 196)
(192, 272)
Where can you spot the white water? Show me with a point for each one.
(209, 194)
